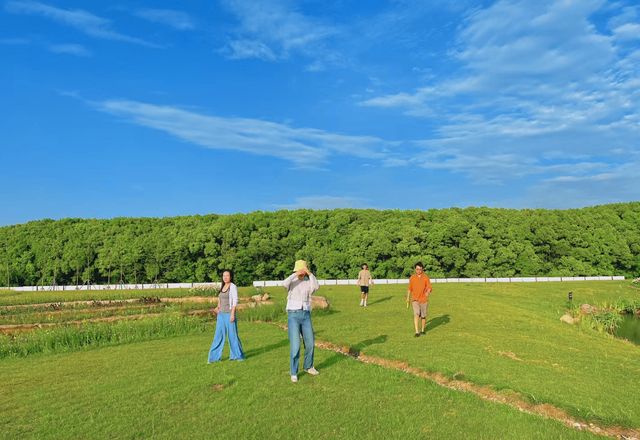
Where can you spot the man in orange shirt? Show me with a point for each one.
(419, 291)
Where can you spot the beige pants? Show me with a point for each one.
(420, 309)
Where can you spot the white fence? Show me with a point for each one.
(454, 280)
(321, 282)
(114, 287)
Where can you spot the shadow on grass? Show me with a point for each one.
(324, 312)
(354, 350)
(266, 349)
(386, 298)
(436, 322)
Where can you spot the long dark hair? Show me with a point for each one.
(222, 277)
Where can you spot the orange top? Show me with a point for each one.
(419, 286)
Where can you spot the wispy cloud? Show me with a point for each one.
(627, 31)
(70, 49)
(240, 49)
(304, 147)
(79, 19)
(533, 79)
(618, 184)
(176, 19)
(324, 202)
(275, 29)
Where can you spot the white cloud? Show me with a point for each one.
(79, 19)
(535, 78)
(619, 184)
(240, 49)
(627, 31)
(496, 168)
(275, 29)
(324, 202)
(70, 49)
(304, 147)
(176, 19)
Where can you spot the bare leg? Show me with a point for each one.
(416, 321)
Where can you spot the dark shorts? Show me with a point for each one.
(364, 289)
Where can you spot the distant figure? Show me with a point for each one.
(364, 281)
(301, 284)
(226, 324)
(419, 291)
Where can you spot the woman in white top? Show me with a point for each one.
(300, 285)
(226, 323)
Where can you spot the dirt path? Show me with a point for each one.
(511, 399)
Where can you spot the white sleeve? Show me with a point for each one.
(233, 295)
(287, 282)
(314, 284)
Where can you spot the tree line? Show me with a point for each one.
(469, 242)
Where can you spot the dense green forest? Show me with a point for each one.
(470, 242)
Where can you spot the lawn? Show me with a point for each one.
(508, 336)
(143, 379)
(165, 389)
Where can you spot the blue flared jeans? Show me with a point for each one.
(299, 322)
(225, 328)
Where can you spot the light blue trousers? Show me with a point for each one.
(225, 327)
(299, 322)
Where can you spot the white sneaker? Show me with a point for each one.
(294, 379)
(312, 371)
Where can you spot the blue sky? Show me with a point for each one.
(176, 108)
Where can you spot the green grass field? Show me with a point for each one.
(155, 384)
(508, 336)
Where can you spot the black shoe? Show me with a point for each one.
(422, 332)
(417, 335)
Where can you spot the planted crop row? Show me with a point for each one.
(73, 337)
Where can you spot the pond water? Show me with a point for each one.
(630, 329)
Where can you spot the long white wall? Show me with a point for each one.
(114, 287)
(453, 280)
(321, 282)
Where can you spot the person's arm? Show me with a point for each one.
(314, 283)
(409, 290)
(217, 307)
(370, 279)
(287, 282)
(233, 301)
(428, 289)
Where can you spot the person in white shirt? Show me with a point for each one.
(300, 285)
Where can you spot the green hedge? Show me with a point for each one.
(470, 242)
